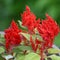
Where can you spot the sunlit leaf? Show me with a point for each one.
(20, 57)
(26, 35)
(54, 57)
(37, 36)
(2, 50)
(53, 50)
(32, 56)
(21, 48)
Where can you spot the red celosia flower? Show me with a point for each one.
(29, 19)
(48, 29)
(12, 36)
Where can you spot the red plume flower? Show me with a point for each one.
(29, 19)
(48, 29)
(12, 36)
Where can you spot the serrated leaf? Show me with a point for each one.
(2, 50)
(32, 56)
(53, 50)
(54, 57)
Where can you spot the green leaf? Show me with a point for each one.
(2, 40)
(16, 50)
(37, 36)
(22, 27)
(53, 50)
(25, 47)
(32, 56)
(20, 57)
(1, 58)
(2, 50)
(26, 35)
(54, 57)
(22, 48)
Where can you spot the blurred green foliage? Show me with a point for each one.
(11, 9)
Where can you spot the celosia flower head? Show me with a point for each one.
(28, 19)
(12, 36)
(48, 29)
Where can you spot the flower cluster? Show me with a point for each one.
(12, 36)
(47, 29)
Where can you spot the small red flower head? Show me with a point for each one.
(28, 19)
(12, 36)
(48, 29)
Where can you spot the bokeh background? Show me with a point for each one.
(11, 9)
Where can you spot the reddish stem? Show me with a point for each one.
(41, 52)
